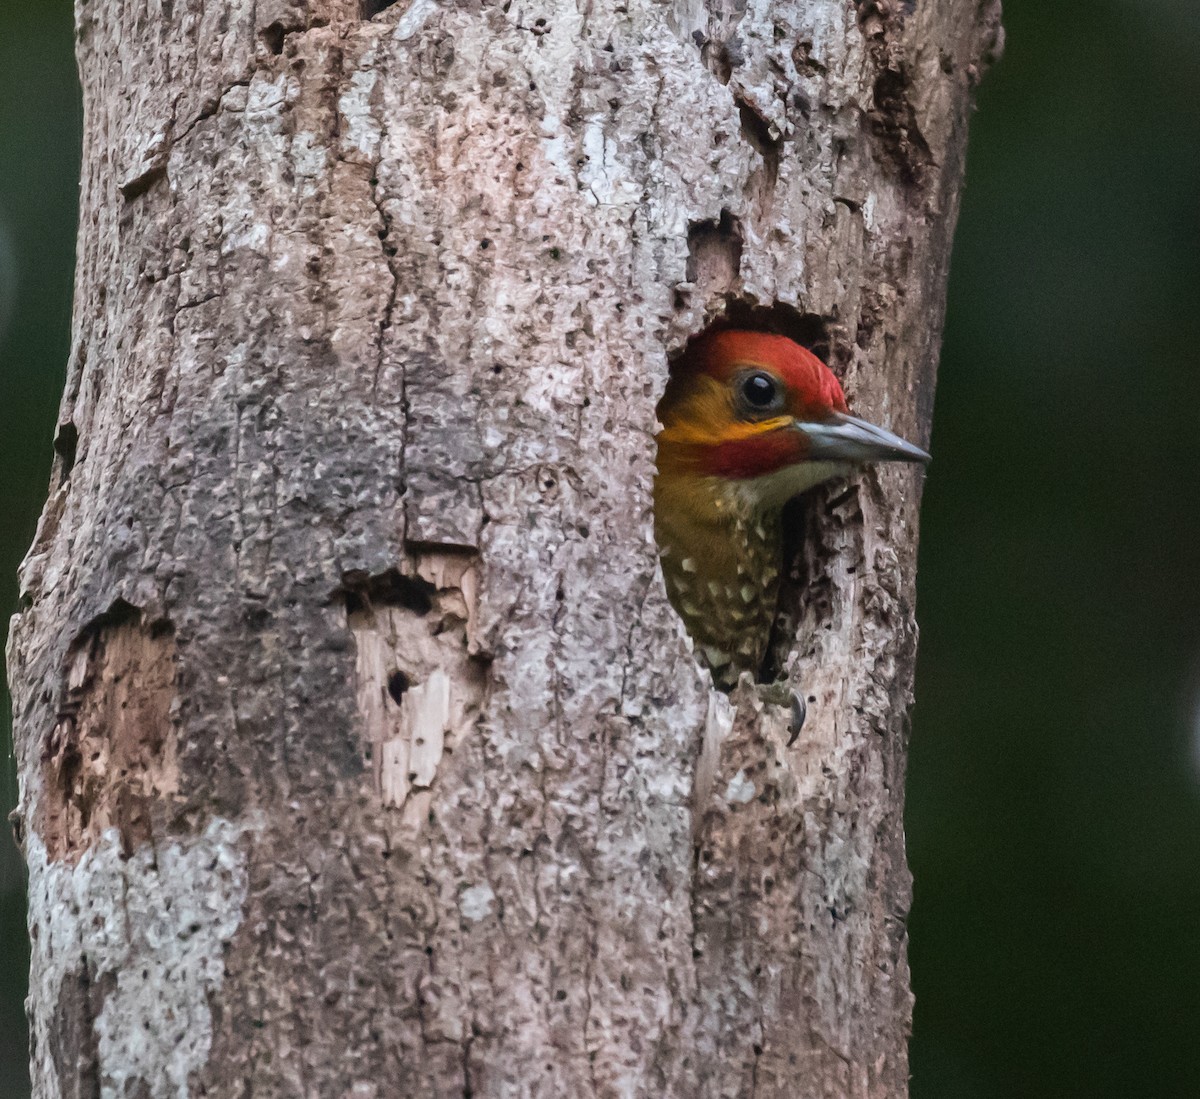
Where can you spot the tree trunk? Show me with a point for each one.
(361, 752)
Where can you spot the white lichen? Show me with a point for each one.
(148, 931)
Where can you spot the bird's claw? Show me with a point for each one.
(783, 695)
(799, 713)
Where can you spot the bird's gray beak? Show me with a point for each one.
(843, 438)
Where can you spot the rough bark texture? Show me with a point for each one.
(361, 752)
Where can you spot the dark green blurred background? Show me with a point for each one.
(39, 187)
(1054, 793)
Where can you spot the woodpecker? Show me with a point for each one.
(750, 420)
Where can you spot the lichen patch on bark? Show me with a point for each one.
(129, 958)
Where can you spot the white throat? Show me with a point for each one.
(771, 491)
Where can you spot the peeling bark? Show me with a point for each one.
(361, 753)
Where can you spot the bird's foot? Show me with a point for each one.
(781, 693)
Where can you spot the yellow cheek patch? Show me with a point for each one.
(705, 416)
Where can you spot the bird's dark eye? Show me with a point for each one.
(758, 391)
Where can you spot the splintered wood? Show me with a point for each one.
(111, 753)
(420, 683)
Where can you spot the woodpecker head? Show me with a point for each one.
(760, 413)
(749, 421)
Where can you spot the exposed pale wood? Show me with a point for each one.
(371, 318)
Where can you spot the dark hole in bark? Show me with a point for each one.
(119, 613)
(398, 683)
(388, 589)
(273, 37)
(141, 184)
(374, 7)
(66, 443)
(715, 252)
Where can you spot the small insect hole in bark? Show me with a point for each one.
(398, 682)
(714, 260)
(273, 37)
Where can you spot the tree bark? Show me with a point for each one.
(361, 752)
